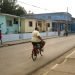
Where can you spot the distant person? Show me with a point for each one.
(58, 32)
(66, 33)
(63, 31)
(0, 37)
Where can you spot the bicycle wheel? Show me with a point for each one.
(33, 56)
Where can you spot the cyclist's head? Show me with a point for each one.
(37, 28)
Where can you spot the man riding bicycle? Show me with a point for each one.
(37, 39)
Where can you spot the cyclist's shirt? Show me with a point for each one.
(35, 35)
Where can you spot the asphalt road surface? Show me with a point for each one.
(16, 59)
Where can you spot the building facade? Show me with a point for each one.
(9, 23)
(45, 22)
(28, 24)
(60, 20)
(73, 25)
(14, 24)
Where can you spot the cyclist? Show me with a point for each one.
(37, 39)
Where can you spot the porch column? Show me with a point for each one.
(46, 29)
(19, 24)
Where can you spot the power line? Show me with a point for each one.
(32, 5)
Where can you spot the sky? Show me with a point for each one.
(48, 6)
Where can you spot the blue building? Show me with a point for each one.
(73, 25)
(60, 20)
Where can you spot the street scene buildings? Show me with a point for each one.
(37, 41)
(48, 21)
(16, 48)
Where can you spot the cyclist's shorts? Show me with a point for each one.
(36, 44)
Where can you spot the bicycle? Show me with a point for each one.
(36, 51)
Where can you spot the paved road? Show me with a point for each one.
(66, 69)
(16, 59)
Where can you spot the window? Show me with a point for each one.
(9, 22)
(30, 23)
(39, 23)
(15, 21)
(48, 24)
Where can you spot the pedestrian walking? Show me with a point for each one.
(66, 33)
(58, 32)
(0, 37)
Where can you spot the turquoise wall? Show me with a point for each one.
(14, 28)
(6, 28)
(3, 26)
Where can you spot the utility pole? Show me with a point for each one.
(67, 23)
(46, 29)
(66, 26)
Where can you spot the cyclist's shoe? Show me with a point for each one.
(41, 55)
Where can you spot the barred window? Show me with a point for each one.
(48, 24)
(15, 21)
(30, 23)
(9, 22)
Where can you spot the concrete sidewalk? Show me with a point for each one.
(10, 43)
(21, 41)
(67, 67)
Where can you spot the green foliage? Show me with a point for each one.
(10, 7)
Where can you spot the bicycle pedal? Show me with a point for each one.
(41, 55)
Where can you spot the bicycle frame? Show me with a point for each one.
(36, 51)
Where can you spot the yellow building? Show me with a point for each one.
(29, 24)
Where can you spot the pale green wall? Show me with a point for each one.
(8, 29)
(3, 26)
(14, 27)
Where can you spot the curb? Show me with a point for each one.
(5, 45)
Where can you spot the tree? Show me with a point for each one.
(10, 7)
(20, 11)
